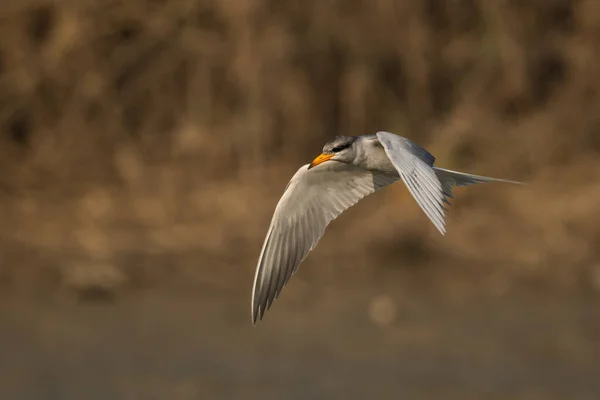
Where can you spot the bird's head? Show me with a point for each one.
(340, 148)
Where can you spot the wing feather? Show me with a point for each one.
(415, 166)
(311, 200)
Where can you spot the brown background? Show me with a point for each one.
(145, 143)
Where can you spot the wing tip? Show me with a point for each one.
(259, 311)
(255, 311)
(257, 314)
(441, 229)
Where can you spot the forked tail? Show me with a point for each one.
(451, 179)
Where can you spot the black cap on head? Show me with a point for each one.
(338, 143)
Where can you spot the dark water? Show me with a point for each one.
(168, 345)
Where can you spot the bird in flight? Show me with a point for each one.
(349, 168)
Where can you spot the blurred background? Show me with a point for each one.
(145, 143)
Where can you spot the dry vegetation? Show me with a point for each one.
(134, 130)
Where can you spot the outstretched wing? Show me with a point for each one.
(415, 166)
(312, 199)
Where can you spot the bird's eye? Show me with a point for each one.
(337, 149)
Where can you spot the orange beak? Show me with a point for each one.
(320, 159)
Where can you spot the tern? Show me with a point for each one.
(348, 169)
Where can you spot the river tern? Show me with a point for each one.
(349, 168)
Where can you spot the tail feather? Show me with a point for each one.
(451, 179)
